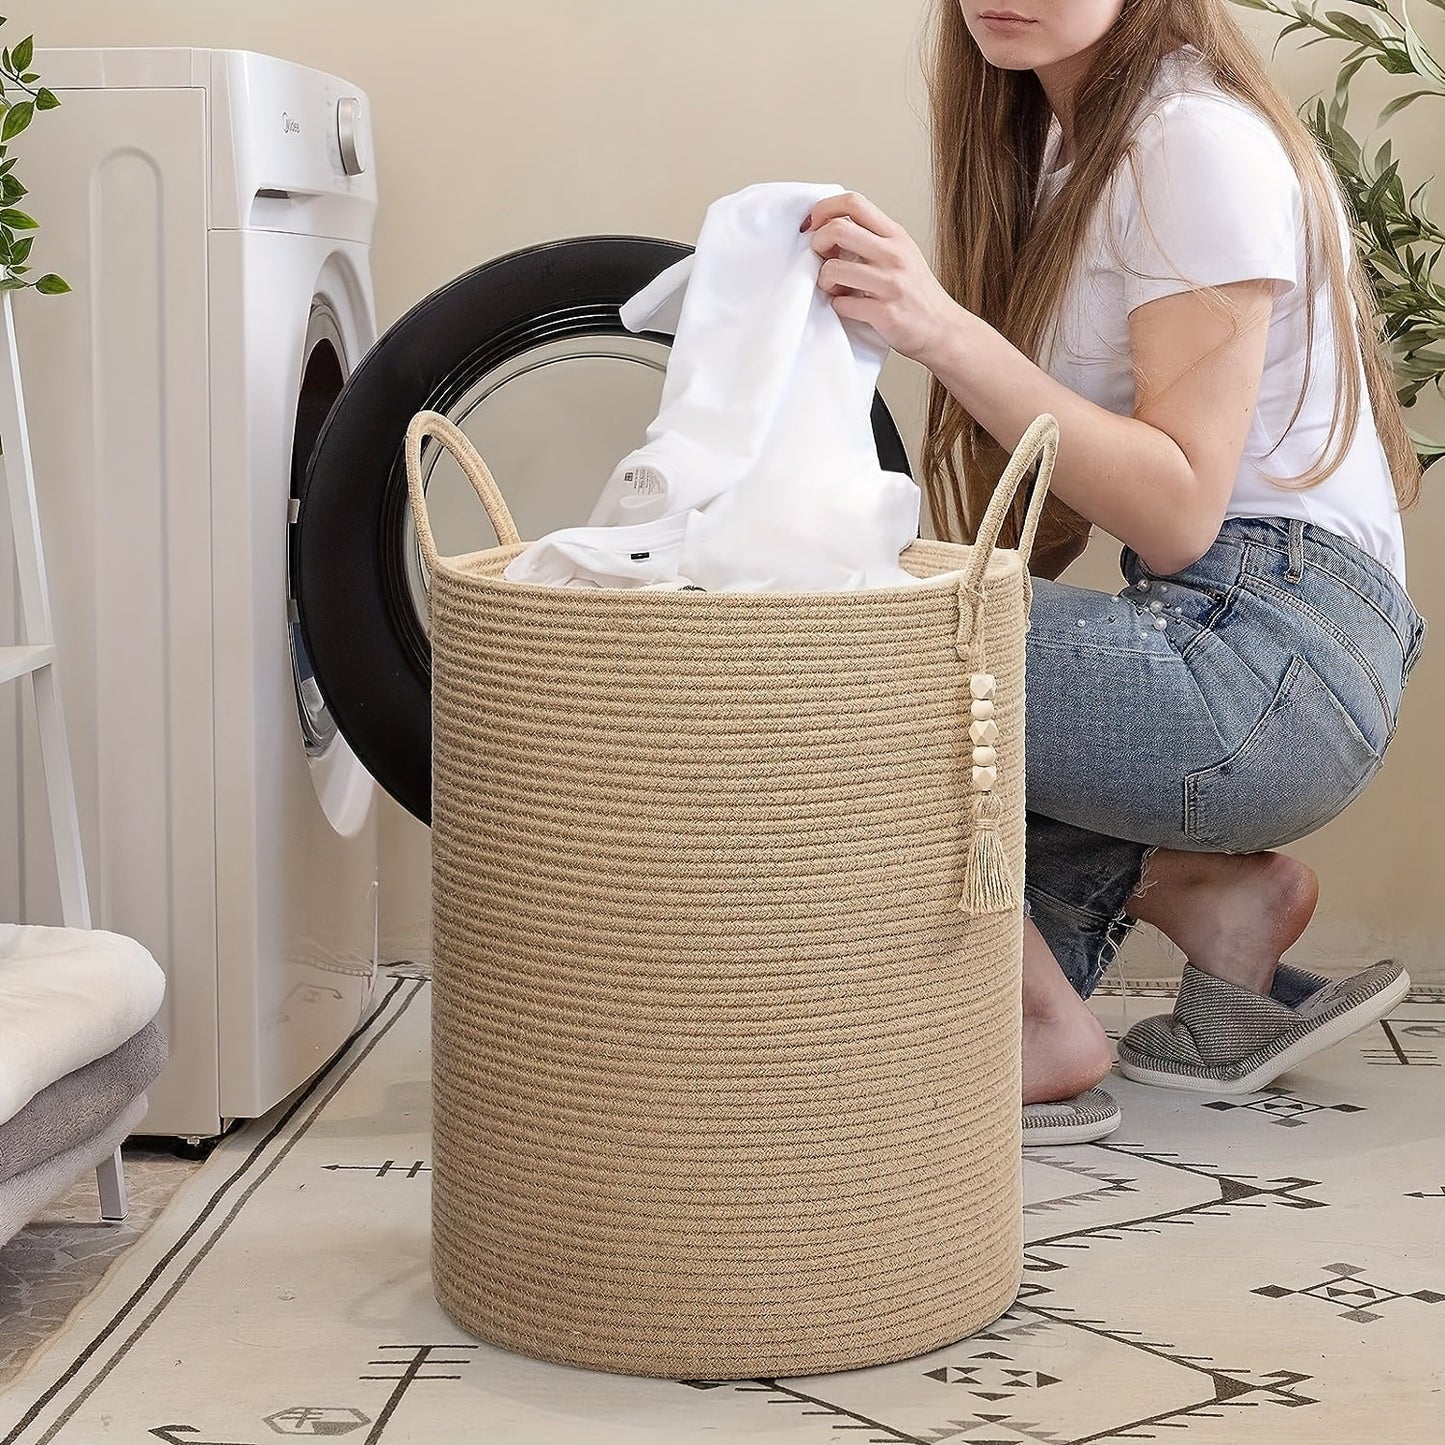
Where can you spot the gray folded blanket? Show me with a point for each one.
(79, 1106)
(22, 1197)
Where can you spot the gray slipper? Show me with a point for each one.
(1223, 1039)
(1079, 1120)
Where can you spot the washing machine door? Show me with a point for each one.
(528, 355)
(342, 785)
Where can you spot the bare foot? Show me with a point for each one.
(1064, 1056)
(1233, 915)
(1066, 1050)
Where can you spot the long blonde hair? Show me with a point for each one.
(989, 129)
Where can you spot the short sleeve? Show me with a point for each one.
(1209, 197)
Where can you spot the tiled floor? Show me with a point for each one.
(1264, 1270)
(48, 1268)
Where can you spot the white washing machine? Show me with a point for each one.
(213, 212)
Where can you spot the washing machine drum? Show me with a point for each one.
(528, 355)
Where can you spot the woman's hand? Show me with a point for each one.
(876, 274)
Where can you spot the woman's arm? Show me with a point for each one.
(1160, 480)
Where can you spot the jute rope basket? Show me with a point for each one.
(727, 941)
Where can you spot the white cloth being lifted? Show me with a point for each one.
(760, 472)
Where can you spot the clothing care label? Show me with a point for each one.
(644, 481)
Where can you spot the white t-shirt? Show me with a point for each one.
(1223, 204)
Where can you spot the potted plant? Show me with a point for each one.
(20, 98)
(1398, 239)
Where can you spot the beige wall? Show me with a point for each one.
(501, 124)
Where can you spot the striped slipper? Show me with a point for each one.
(1223, 1039)
(1079, 1120)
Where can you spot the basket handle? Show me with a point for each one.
(434, 424)
(1039, 443)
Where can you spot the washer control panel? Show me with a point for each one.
(351, 135)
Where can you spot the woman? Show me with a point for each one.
(1136, 234)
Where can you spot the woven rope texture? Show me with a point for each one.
(726, 1083)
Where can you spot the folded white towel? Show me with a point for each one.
(763, 445)
(67, 997)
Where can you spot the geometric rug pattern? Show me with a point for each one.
(1223, 1271)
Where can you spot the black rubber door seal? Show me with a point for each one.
(366, 642)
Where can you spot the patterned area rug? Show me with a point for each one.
(1259, 1269)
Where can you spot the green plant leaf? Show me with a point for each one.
(20, 251)
(1425, 64)
(11, 283)
(1370, 202)
(1347, 73)
(10, 190)
(17, 120)
(23, 54)
(17, 220)
(1401, 101)
(52, 285)
(1366, 32)
(1398, 62)
(1426, 450)
(45, 99)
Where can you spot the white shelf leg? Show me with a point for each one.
(60, 790)
(110, 1180)
(36, 620)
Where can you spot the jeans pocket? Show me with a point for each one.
(1417, 641)
(1302, 764)
(1419, 629)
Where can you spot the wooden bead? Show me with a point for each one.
(982, 684)
(983, 733)
(984, 757)
(984, 779)
(983, 711)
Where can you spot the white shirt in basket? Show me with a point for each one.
(760, 472)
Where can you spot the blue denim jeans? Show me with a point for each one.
(1232, 707)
